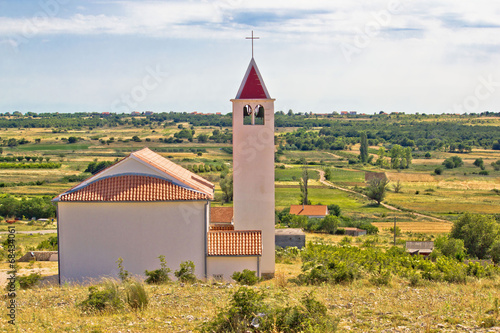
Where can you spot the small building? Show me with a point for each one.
(311, 211)
(39, 256)
(354, 231)
(149, 113)
(421, 248)
(290, 237)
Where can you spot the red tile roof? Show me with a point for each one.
(253, 86)
(221, 214)
(235, 243)
(176, 171)
(309, 210)
(131, 188)
(220, 227)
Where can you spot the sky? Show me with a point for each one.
(439, 56)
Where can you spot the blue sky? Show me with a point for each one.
(440, 56)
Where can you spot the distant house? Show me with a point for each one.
(317, 211)
(290, 237)
(354, 231)
(353, 113)
(148, 113)
(135, 113)
(39, 256)
(422, 248)
(344, 112)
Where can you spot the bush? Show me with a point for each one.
(247, 277)
(158, 276)
(136, 295)
(104, 297)
(48, 244)
(28, 281)
(438, 170)
(249, 311)
(334, 209)
(186, 272)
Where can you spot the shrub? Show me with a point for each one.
(246, 277)
(28, 281)
(438, 170)
(158, 276)
(249, 311)
(334, 209)
(186, 272)
(136, 295)
(104, 297)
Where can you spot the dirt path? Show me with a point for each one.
(327, 183)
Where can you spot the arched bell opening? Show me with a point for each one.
(247, 115)
(259, 115)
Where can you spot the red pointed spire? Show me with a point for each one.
(253, 86)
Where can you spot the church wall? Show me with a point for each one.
(226, 266)
(92, 236)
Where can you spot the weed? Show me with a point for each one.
(136, 295)
(158, 276)
(123, 273)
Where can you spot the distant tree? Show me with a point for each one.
(479, 163)
(478, 233)
(202, 138)
(334, 209)
(397, 187)
(496, 165)
(453, 162)
(396, 154)
(376, 189)
(303, 186)
(330, 224)
(72, 139)
(438, 170)
(135, 138)
(363, 149)
(226, 185)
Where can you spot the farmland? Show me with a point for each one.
(424, 208)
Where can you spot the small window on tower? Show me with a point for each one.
(247, 115)
(259, 115)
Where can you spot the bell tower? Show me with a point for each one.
(253, 162)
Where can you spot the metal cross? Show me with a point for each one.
(252, 38)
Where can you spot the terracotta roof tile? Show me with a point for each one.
(309, 210)
(176, 171)
(221, 214)
(235, 243)
(219, 227)
(132, 188)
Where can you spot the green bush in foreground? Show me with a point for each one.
(246, 277)
(28, 281)
(252, 311)
(104, 297)
(185, 273)
(158, 276)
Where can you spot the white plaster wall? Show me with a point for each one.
(253, 179)
(93, 236)
(228, 265)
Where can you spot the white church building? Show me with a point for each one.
(145, 206)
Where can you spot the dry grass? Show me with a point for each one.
(417, 227)
(359, 306)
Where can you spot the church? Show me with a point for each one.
(145, 206)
